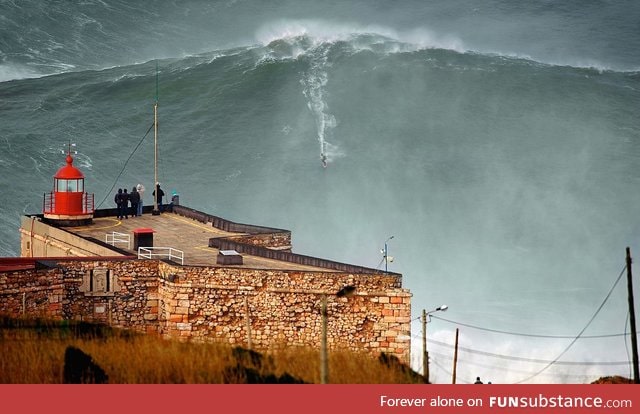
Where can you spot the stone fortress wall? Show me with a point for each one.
(239, 305)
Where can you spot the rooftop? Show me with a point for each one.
(190, 231)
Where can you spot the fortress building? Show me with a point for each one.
(191, 275)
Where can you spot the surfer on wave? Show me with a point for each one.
(323, 158)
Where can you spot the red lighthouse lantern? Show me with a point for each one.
(68, 204)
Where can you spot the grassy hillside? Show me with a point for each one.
(33, 352)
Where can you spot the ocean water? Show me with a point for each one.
(497, 141)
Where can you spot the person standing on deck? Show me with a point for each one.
(125, 203)
(140, 189)
(118, 201)
(158, 194)
(134, 197)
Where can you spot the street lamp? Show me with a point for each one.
(345, 292)
(425, 353)
(385, 255)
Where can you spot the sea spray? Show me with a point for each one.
(314, 82)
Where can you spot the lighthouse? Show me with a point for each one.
(68, 204)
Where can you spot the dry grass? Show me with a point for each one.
(32, 352)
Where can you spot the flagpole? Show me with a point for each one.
(155, 211)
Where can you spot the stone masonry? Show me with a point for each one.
(264, 308)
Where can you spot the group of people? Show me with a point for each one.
(130, 203)
(124, 198)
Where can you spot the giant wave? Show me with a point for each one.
(506, 178)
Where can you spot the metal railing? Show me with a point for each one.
(114, 237)
(161, 252)
(88, 202)
(49, 203)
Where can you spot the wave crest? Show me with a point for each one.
(310, 33)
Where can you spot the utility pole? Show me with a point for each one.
(632, 319)
(425, 353)
(455, 359)
(324, 365)
(345, 292)
(247, 321)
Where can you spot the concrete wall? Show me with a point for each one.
(276, 241)
(38, 239)
(268, 237)
(214, 304)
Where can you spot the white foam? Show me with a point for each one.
(318, 31)
(14, 72)
(423, 38)
(322, 31)
(314, 82)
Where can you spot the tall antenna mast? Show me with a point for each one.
(155, 211)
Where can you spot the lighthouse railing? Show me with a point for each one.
(48, 203)
(87, 203)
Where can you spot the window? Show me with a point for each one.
(74, 185)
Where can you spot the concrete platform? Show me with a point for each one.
(181, 233)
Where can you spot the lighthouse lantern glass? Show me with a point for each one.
(73, 186)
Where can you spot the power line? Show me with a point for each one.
(581, 332)
(526, 334)
(449, 373)
(108, 192)
(501, 368)
(523, 359)
(548, 362)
